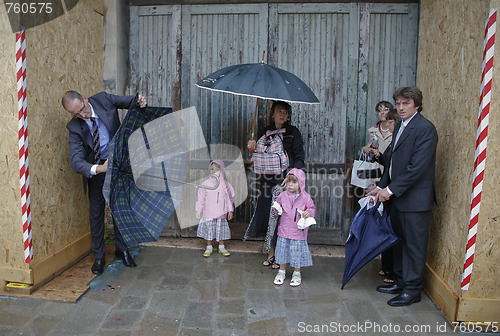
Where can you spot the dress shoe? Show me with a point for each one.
(126, 257)
(98, 266)
(403, 299)
(390, 289)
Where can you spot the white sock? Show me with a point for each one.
(281, 271)
(209, 247)
(295, 273)
(222, 247)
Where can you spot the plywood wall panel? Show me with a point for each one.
(449, 74)
(485, 279)
(63, 54)
(11, 250)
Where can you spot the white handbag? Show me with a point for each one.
(359, 178)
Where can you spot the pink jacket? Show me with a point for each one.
(215, 204)
(287, 227)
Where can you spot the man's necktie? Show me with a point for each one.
(96, 145)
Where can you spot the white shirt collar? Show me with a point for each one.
(407, 121)
(94, 115)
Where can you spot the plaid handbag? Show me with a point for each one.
(270, 156)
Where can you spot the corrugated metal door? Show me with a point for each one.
(155, 54)
(387, 57)
(318, 43)
(350, 54)
(213, 37)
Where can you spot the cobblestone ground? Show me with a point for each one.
(175, 291)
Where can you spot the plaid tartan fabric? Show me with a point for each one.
(141, 213)
(273, 219)
(158, 156)
(210, 229)
(293, 252)
(270, 156)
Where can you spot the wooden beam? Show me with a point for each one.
(479, 310)
(55, 264)
(459, 309)
(215, 2)
(15, 275)
(441, 293)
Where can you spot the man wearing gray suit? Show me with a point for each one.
(408, 183)
(94, 123)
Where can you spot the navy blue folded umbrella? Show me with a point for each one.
(370, 234)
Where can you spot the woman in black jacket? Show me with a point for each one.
(264, 221)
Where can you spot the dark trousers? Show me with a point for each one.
(388, 261)
(410, 253)
(260, 219)
(96, 214)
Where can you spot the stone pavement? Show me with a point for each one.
(175, 291)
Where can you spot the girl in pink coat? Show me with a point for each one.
(214, 208)
(291, 247)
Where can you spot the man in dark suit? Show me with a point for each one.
(408, 182)
(94, 123)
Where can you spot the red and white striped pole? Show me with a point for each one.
(23, 144)
(481, 144)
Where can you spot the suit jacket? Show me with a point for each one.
(413, 163)
(80, 138)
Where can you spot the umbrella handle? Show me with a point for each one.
(255, 113)
(375, 208)
(207, 187)
(253, 127)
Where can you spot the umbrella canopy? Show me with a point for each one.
(259, 80)
(141, 211)
(370, 234)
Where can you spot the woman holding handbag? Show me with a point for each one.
(380, 132)
(264, 221)
(367, 169)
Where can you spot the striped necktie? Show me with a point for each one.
(96, 145)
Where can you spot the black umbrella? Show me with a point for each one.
(259, 80)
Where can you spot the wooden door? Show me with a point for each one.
(350, 54)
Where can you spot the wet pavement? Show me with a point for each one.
(175, 291)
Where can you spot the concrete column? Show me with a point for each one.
(116, 48)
